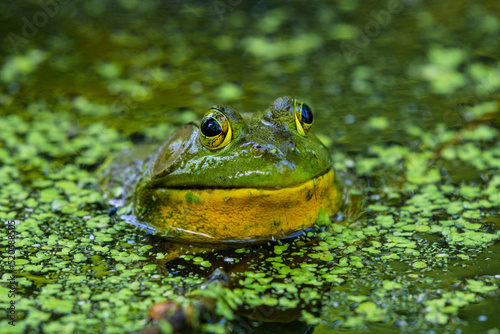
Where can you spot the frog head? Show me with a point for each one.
(235, 177)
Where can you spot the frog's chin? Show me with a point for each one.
(236, 215)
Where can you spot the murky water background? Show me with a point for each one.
(372, 72)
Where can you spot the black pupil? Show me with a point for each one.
(307, 115)
(210, 127)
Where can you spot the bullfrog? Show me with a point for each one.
(238, 177)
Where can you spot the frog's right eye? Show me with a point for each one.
(215, 130)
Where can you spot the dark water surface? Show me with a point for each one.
(405, 94)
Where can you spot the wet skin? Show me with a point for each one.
(239, 177)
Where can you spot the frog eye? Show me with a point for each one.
(215, 130)
(303, 117)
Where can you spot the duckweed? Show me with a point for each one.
(414, 140)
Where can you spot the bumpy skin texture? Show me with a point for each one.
(269, 181)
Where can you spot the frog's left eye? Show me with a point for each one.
(303, 117)
(215, 130)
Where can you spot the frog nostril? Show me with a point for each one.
(257, 150)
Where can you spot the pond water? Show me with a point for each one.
(405, 94)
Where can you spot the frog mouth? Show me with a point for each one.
(160, 184)
(214, 215)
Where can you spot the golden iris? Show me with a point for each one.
(215, 130)
(303, 117)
